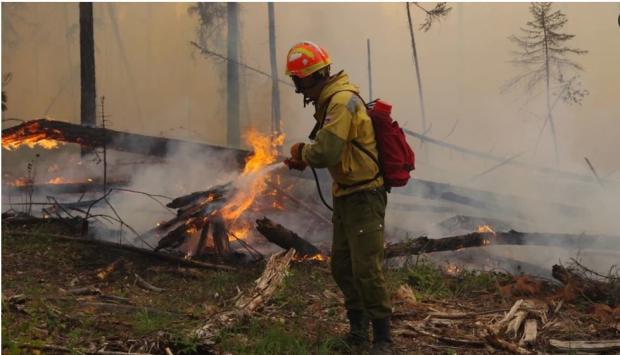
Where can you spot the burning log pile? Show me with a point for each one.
(197, 213)
(207, 220)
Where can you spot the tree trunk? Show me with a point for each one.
(275, 89)
(232, 77)
(548, 93)
(417, 68)
(369, 70)
(87, 66)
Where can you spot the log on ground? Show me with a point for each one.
(424, 244)
(285, 238)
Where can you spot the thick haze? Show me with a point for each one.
(155, 82)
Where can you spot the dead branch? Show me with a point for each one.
(586, 345)
(497, 326)
(147, 285)
(502, 344)
(443, 315)
(445, 339)
(82, 291)
(594, 290)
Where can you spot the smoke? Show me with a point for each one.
(181, 94)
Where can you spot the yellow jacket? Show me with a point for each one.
(344, 119)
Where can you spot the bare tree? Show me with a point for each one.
(440, 10)
(544, 57)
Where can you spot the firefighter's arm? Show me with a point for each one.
(331, 139)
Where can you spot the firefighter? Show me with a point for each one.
(344, 143)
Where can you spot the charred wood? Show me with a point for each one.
(72, 187)
(220, 237)
(173, 239)
(424, 244)
(285, 238)
(199, 197)
(116, 140)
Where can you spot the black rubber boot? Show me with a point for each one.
(381, 340)
(359, 326)
(357, 338)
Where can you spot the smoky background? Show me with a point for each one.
(156, 83)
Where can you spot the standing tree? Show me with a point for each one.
(275, 89)
(87, 65)
(440, 10)
(544, 57)
(232, 76)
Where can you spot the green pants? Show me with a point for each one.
(357, 251)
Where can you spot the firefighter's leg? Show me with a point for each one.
(341, 263)
(364, 224)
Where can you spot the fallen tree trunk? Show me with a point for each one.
(285, 238)
(98, 137)
(71, 187)
(423, 244)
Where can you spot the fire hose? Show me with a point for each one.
(318, 187)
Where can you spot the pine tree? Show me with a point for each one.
(545, 59)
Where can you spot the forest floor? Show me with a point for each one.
(60, 296)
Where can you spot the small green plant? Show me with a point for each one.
(263, 337)
(428, 280)
(146, 322)
(431, 282)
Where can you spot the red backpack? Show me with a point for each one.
(396, 158)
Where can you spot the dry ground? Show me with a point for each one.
(53, 301)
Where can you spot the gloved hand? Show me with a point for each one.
(296, 151)
(295, 164)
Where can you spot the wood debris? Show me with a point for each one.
(249, 302)
(586, 345)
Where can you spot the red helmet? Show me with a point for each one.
(306, 58)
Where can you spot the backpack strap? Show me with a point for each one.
(359, 146)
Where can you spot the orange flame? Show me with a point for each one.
(61, 180)
(485, 229)
(317, 257)
(31, 134)
(265, 152)
(452, 269)
(21, 181)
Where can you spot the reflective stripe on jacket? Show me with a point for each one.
(345, 120)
